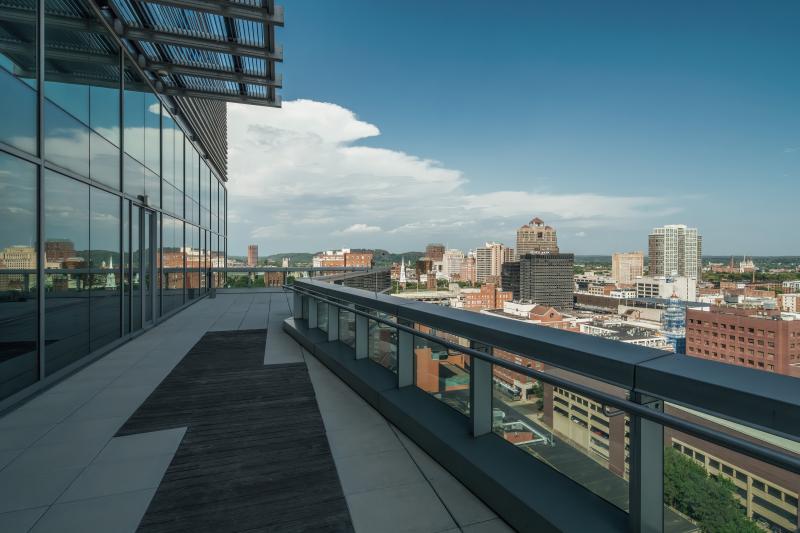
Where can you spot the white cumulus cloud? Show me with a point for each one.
(301, 181)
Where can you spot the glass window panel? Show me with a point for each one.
(322, 316)
(134, 176)
(152, 188)
(347, 327)
(104, 230)
(134, 115)
(382, 343)
(152, 133)
(104, 109)
(72, 98)
(104, 164)
(136, 267)
(443, 373)
(168, 147)
(18, 86)
(66, 245)
(66, 140)
(18, 248)
(179, 158)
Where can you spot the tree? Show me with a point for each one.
(707, 500)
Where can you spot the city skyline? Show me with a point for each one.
(597, 124)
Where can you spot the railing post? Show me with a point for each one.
(297, 310)
(333, 323)
(646, 482)
(480, 392)
(362, 337)
(312, 312)
(405, 355)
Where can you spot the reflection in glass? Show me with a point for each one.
(382, 343)
(105, 276)
(66, 140)
(18, 84)
(104, 164)
(136, 267)
(152, 132)
(322, 316)
(347, 328)
(172, 266)
(442, 372)
(574, 434)
(66, 245)
(18, 282)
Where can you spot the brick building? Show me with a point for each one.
(755, 338)
(489, 296)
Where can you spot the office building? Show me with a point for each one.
(675, 250)
(343, 258)
(536, 237)
(627, 266)
(252, 255)
(685, 288)
(435, 251)
(490, 258)
(128, 160)
(469, 270)
(756, 338)
(509, 278)
(547, 279)
(452, 264)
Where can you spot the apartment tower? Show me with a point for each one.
(627, 266)
(675, 250)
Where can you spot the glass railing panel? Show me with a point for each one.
(574, 434)
(322, 316)
(382, 343)
(443, 373)
(718, 489)
(347, 327)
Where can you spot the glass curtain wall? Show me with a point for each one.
(105, 205)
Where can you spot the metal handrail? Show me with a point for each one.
(762, 453)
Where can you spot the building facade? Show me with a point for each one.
(489, 296)
(452, 264)
(665, 287)
(252, 255)
(757, 338)
(435, 251)
(627, 266)
(113, 175)
(509, 278)
(547, 279)
(489, 260)
(536, 237)
(675, 250)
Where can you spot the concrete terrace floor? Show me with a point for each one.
(62, 469)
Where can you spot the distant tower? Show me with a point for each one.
(252, 255)
(673, 324)
(111, 279)
(403, 279)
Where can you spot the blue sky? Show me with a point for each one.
(691, 109)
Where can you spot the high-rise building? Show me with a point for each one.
(536, 237)
(252, 255)
(547, 279)
(675, 250)
(469, 269)
(489, 259)
(509, 278)
(627, 266)
(435, 251)
(452, 263)
(673, 325)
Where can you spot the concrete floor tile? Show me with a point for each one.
(24, 490)
(362, 473)
(371, 439)
(408, 508)
(20, 521)
(42, 459)
(491, 526)
(13, 438)
(118, 513)
(106, 478)
(462, 504)
(94, 430)
(141, 445)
